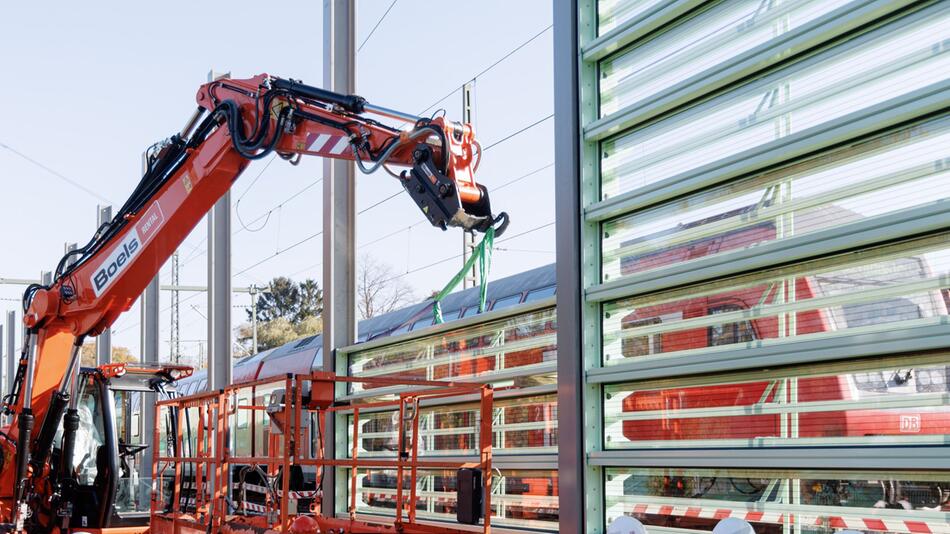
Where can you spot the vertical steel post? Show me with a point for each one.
(339, 218)
(253, 319)
(174, 342)
(104, 340)
(148, 303)
(219, 287)
(468, 238)
(570, 366)
(11, 350)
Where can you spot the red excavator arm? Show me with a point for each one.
(236, 121)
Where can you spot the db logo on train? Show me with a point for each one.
(910, 423)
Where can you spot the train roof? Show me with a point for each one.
(530, 285)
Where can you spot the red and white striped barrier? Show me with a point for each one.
(854, 522)
(254, 507)
(263, 490)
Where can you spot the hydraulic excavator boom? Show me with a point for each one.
(236, 121)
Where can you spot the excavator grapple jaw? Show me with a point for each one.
(439, 198)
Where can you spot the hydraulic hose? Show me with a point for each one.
(415, 134)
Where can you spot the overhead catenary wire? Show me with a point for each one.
(488, 68)
(57, 174)
(506, 138)
(519, 132)
(457, 256)
(378, 22)
(278, 253)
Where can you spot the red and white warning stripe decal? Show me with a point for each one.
(254, 507)
(881, 524)
(261, 489)
(327, 144)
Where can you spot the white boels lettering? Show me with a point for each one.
(127, 249)
(120, 257)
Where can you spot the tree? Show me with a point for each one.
(311, 301)
(119, 355)
(287, 311)
(278, 332)
(378, 289)
(286, 299)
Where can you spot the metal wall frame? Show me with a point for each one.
(524, 459)
(825, 28)
(875, 118)
(580, 213)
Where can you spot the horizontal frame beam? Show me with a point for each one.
(930, 337)
(907, 457)
(637, 27)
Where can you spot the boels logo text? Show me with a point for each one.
(127, 249)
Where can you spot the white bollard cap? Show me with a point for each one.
(733, 525)
(626, 525)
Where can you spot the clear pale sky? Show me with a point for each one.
(86, 88)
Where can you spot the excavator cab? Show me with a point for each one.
(108, 490)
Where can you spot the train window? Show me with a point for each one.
(539, 294)
(881, 312)
(932, 380)
(506, 302)
(873, 381)
(401, 330)
(470, 311)
(729, 333)
(422, 323)
(642, 345)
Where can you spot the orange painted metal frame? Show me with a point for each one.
(288, 447)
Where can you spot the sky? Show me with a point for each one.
(87, 89)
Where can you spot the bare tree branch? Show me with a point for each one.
(378, 291)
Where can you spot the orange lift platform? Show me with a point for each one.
(235, 460)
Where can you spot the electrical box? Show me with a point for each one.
(469, 495)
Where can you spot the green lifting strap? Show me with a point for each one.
(482, 253)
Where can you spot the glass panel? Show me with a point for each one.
(702, 43)
(520, 498)
(422, 323)
(881, 289)
(612, 13)
(539, 294)
(506, 302)
(133, 494)
(775, 502)
(519, 425)
(859, 74)
(903, 169)
(522, 342)
(90, 436)
(898, 402)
